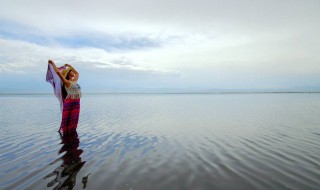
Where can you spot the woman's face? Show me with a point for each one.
(71, 74)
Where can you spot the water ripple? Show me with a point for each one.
(253, 141)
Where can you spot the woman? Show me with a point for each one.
(69, 95)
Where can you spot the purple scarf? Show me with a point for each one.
(53, 78)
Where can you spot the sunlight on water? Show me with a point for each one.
(161, 141)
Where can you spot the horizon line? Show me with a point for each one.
(220, 92)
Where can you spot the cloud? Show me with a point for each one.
(204, 43)
(108, 16)
(109, 42)
(20, 56)
(23, 67)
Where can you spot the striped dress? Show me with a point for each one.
(71, 109)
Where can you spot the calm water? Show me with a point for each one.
(217, 141)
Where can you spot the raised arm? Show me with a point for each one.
(63, 79)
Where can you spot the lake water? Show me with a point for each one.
(163, 141)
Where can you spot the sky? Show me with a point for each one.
(162, 46)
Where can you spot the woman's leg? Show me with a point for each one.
(66, 112)
(74, 116)
(70, 115)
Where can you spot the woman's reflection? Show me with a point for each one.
(65, 174)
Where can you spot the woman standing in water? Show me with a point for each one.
(64, 82)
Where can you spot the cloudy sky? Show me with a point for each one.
(147, 45)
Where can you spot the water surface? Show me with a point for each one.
(161, 141)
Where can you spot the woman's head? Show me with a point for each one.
(70, 75)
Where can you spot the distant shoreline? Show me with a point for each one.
(102, 93)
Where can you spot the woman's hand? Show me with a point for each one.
(53, 65)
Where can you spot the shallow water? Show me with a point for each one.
(161, 141)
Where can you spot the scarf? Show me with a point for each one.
(53, 78)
